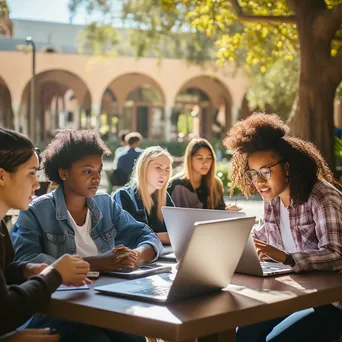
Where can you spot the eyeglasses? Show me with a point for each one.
(263, 172)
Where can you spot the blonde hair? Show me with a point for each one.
(139, 177)
(213, 183)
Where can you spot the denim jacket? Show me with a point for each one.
(43, 233)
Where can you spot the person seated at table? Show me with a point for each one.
(146, 194)
(31, 285)
(73, 219)
(196, 185)
(302, 224)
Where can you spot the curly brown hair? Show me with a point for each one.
(69, 146)
(267, 132)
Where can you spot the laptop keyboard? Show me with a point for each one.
(272, 266)
(160, 290)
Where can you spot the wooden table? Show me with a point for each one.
(209, 318)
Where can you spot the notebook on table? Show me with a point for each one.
(208, 264)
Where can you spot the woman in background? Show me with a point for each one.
(196, 185)
(146, 194)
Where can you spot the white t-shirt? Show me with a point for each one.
(285, 230)
(85, 245)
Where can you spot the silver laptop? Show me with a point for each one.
(208, 264)
(250, 264)
(180, 222)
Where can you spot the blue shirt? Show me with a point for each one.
(127, 159)
(43, 233)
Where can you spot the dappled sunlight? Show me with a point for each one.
(288, 280)
(265, 295)
(160, 313)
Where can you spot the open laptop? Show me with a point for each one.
(208, 264)
(180, 221)
(250, 263)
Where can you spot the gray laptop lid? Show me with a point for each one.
(180, 222)
(208, 264)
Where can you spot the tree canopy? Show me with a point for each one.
(261, 36)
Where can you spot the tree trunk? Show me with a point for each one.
(312, 116)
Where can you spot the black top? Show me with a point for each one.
(124, 199)
(184, 195)
(19, 302)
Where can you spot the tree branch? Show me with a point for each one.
(290, 19)
(330, 21)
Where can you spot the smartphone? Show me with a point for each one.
(93, 275)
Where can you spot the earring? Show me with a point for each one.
(286, 179)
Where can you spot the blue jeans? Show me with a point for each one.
(322, 324)
(73, 331)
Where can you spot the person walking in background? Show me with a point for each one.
(196, 185)
(302, 225)
(119, 150)
(146, 194)
(127, 159)
(35, 282)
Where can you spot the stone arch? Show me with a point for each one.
(51, 86)
(209, 102)
(6, 112)
(138, 101)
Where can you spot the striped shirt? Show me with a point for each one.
(316, 228)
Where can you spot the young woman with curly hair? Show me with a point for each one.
(74, 219)
(302, 224)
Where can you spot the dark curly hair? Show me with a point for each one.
(69, 146)
(267, 132)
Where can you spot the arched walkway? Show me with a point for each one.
(6, 113)
(62, 99)
(136, 103)
(202, 107)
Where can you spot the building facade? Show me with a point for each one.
(163, 100)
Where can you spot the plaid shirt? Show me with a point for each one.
(316, 228)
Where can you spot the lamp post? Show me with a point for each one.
(32, 118)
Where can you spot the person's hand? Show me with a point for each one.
(266, 251)
(233, 207)
(31, 335)
(73, 270)
(33, 269)
(118, 257)
(126, 256)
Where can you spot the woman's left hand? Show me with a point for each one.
(32, 269)
(233, 207)
(267, 251)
